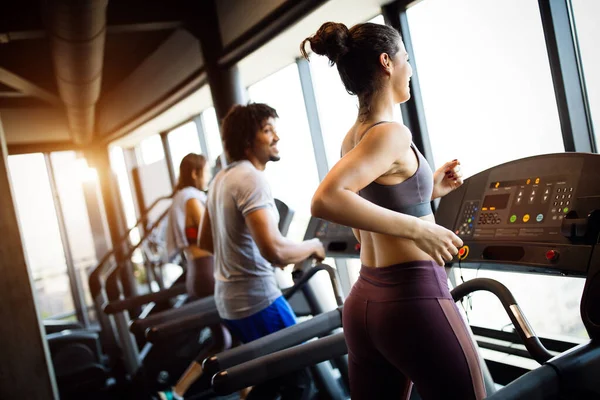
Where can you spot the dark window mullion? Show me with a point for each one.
(567, 76)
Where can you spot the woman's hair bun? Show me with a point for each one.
(331, 40)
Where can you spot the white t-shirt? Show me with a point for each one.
(176, 239)
(244, 280)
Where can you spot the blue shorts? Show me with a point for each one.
(277, 316)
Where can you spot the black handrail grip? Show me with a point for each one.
(317, 326)
(139, 326)
(256, 371)
(162, 331)
(135, 302)
(289, 292)
(525, 332)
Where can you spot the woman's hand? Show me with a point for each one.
(440, 243)
(446, 179)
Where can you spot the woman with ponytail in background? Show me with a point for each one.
(184, 219)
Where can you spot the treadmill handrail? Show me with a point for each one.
(94, 279)
(524, 330)
(159, 332)
(247, 374)
(317, 326)
(139, 326)
(272, 365)
(130, 303)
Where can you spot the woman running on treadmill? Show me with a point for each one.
(400, 321)
(184, 218)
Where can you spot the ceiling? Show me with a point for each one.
(139, 72)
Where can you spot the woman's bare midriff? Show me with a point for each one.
(380, 251)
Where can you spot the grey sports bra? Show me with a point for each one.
(412, 196)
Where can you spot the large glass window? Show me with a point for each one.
(117, 163)
(152, 149)
(69, 178)
(486, 84)
(337, 109)
(182, 141)
(41, 235)
(550, 303)
(294, 178)
(212, 133)
(586, 14)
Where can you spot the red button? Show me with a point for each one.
(461, 252)
(551, 255)
(357, 246)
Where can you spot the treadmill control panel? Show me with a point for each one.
(537, 214)
(527, 207)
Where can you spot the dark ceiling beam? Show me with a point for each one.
(269, 27)
(145, 27)
(122, 17)
(15, 81)
(178, 94)
(8, 37)
(175, 70)
(44, 147)
(143, 12)
(12, 94)
(22, 102)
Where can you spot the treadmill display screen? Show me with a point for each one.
(496, 201)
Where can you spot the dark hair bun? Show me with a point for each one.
(331, 40)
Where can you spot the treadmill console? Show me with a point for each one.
(528, 214)
(338, 240)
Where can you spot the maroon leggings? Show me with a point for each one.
(401, 325)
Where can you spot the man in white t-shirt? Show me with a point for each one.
(240, 229)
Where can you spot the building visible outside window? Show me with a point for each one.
(586, 15)
(294, 178)
(488, 98)
(182, 141)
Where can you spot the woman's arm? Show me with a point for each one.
(193, 211)
(205, 241)
(336, 198)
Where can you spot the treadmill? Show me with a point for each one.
(535, 215)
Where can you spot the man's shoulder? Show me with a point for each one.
(245, 173)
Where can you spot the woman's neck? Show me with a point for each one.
(380, 107)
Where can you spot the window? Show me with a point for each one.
(212, 133)
(117, 162)
(337, 109)
(552, 308)
(69, 182)
(182, 141)
(588, 31)
(152, 149)
(41, 235)
(486, 85)
(294, 178)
